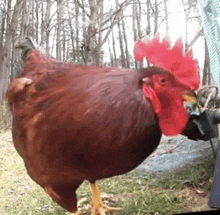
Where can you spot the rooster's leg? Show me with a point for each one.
(98, 208)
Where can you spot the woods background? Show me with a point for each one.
(92, 31)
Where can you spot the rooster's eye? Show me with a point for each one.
(163, 81)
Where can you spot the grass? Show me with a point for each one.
(184, 191)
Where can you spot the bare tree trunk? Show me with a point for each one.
(114, 51)
(186, 25)
(126, 43)
(138, 18)
(67, 50)
(134, 27)
(8, 14)
(156, 17)
(74, 52)
(59, 22)
(13, 70)
(120, 38)
(100, 39)
(134, 22)
(23, 19)
(64, 43)
(4, 12)
(206, 79)
(77, 31)
(91, 51)
(148, 30)
(110, 53)
(84, 34)
(37, 19)
(47, 26)
(54, 40)
(71, 42)
(42, 25)
(166, 17)
(121, 44)
(32, 31)
(89, 39)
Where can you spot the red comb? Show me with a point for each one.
(183, 66)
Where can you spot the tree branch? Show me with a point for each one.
(200, 33)
(82, 7)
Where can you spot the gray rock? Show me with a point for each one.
(175, 153)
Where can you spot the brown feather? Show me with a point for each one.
(78, 122)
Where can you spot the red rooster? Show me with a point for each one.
(80, 122)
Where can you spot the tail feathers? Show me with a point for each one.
(26, 46)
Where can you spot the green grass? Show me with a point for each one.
(193, 176)
(149, 194)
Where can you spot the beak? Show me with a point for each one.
(189, 97)
(147, 81)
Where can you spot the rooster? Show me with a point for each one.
(85, 122)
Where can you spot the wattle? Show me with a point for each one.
(169, 109)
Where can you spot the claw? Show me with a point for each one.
(102, 209)
(98, 208)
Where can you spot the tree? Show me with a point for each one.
(6, 54)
